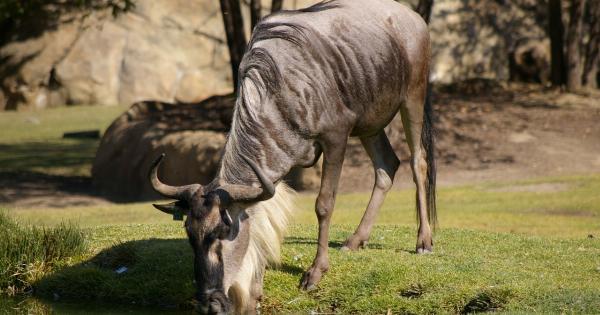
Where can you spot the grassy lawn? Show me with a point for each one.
(502, 246)
(571, 212)
(517, 247)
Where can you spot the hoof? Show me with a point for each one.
(353, 243)
(310, 279)
(424, 244)
(424, 251)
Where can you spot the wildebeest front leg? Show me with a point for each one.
(385, 163)
(333, 158)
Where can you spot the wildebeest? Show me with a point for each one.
(309, 79)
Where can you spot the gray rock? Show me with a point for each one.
(193, 148)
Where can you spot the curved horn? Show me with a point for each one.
(248, 193)
(173, 192)
(268, 189)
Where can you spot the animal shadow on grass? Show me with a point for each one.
(332, 244)
(309, 241)
(151, 272)
(290, 269)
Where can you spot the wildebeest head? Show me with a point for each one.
(217, 229)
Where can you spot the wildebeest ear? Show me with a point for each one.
(220, 201)
(226, 217)
(178, 209)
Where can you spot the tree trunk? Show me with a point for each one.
(276, 5)
(255, 13)
(424, 9)
(574, 33)
(556, 32)
(592, 49)
(236, 38)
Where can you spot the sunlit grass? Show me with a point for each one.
(572, 211)
(50, 124)
(514, 246)
(519, 247)
(469, 271)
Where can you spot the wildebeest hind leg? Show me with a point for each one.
(385, 163)
(333, 158)
(413, 122)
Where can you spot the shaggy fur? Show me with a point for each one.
(268, 222)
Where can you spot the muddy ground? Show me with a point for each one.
(486, 133)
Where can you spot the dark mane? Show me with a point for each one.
(260, 59)
(266, 72)
(321, 6)
(290, 32)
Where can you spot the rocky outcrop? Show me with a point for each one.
(175, 50)
(163, 50)
(147, 129)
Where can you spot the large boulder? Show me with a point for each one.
(147, 129)
(191, 134)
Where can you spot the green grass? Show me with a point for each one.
(469, 271)
(517, 247)
(572, 212)
(32, 141)
(498, 248)
(28, 252)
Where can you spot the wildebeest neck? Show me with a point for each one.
(257, 133)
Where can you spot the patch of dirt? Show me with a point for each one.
(511, 133)
(504, 134)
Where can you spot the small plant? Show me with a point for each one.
(28, 252)
(413, 291)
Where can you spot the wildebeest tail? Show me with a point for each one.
(428, 143)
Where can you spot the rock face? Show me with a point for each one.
(161, 50)
(175, 50)
(473, 39)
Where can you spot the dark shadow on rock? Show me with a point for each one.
(30, 19)
(8, 68)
